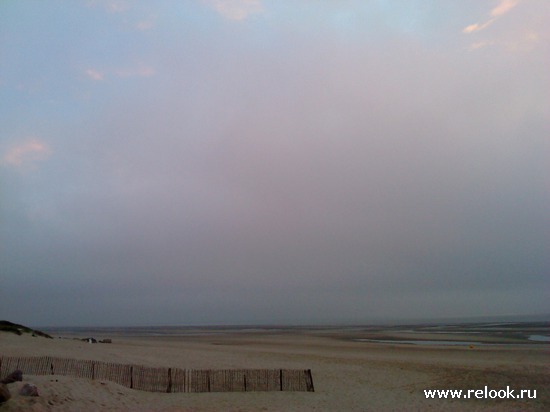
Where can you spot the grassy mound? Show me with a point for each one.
(6, 326)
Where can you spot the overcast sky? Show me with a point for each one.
(284, 161)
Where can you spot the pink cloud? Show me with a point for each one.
(112, 6)
(139, 71)
(26, 153)
(142, 71)
(504, 7)
(94, 74)
(476, 27)
(145, 25)
(236, 9)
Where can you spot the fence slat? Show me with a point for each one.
(199, 380)
(9, 364)
(150, 379)
(293, 380)
(35, 366)
(178, 380)
(114, 372)
(262, 380)
(229, 380)
(72, 367)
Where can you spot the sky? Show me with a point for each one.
(218, 162)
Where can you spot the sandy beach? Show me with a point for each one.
(348, 374)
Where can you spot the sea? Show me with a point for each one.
(480, 333)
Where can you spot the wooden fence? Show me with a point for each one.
(170, 380)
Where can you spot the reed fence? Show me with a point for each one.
(169, 380)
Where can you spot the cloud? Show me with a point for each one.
(520, 34)
(477, 27)
(532, 36)
(525, 43)
(117, 6)
(142, 71)
(26, 153)
(236, 9)
(112, 6)
(94, 74)
(481, 44)
(145, 25)
(503, 7)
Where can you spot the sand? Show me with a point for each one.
(348, 375)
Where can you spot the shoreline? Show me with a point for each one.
(487, 333)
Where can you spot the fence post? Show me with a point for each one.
(309, 381)
(131, 377)
(169, 388)
(281, 379)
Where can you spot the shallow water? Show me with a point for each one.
(539, 338)
(423, 342)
